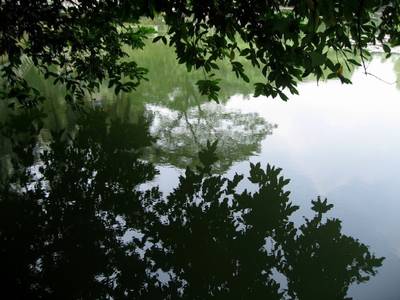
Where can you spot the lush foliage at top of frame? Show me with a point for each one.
(81, 43)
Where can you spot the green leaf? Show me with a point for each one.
(354, 62)
(332, 75)
(317, 58)
(386, 48)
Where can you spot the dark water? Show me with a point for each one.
(78, 204)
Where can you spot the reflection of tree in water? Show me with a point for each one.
(180, 135)
(62, 236)
(185, 120)
(171, 87)
(82, 226)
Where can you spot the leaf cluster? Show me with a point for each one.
(81, 223)
(82, 43)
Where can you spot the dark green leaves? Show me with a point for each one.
(160, 37)
(77, 45)
(387, 50)
(209, 87)
(320, 206)
(354, 62)
(91, 216)
(268, 90)
(237, 67)
(85, 41)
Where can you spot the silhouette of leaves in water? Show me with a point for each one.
(85, 226)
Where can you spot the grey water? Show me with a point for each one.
(341, 142)
(332, 140)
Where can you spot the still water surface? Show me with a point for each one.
(337, 141)
(341, 142)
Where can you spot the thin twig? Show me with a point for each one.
(381, 79)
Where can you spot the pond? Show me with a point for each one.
(340, 142)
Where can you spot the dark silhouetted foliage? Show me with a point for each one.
(79, 220)
(84, 42)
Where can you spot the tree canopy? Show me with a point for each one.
(81, 43)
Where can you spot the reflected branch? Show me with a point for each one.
(81, 222)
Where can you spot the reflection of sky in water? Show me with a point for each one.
(342, 142)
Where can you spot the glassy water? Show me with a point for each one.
(335, 141)
(341, 142)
